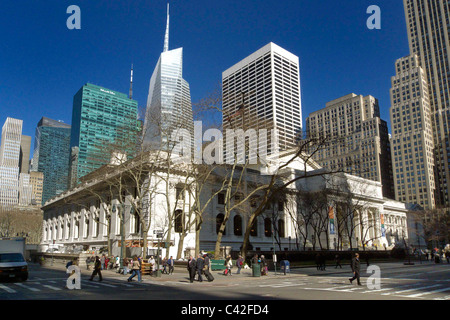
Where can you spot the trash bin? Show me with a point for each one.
(256, 270)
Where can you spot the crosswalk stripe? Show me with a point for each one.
(51, 287)
(7, 289)
(429, 292)
(409, 290)
(27, 287)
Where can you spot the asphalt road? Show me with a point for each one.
(387, 281)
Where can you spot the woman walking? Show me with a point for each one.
(135, 270)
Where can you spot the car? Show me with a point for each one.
(13, 265)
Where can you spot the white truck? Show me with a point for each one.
(12, 261)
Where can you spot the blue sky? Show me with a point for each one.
(43, 63)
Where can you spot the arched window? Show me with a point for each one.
(254, 228)
(179, 221)
(281, 228)
(237, 225)
(267, 227)
(219, 220)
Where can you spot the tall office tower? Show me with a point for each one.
(262, 91)
(356, 139)
(428, 35)
(103, 121)
(412, 145)
(24, 159)
(169, 108)
(37, 186)
(9, 162)
(51, 156)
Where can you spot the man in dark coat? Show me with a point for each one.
(200, 265)
(191, 266)
(97, 269)
(356, 267)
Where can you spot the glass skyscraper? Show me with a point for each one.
(169, 101)
(51, 156)
(103, 121)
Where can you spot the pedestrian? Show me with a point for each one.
(199, 267)
(170, 263)
(135, 270)
(97, 269)
(106, 263)
(337, 259)
(322, 262)
(88, 261)
(356, 268)
(103, 261)
(239, 264)
(206, 272)
(125, 266)
(191, 266)
(264, 268)
(73, 262)
(318, 262)
(164, 265)
(152, 263)
(228, 264)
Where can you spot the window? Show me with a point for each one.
(268, 227)
(254, 228)
(221, 198)
(281, 232)
(237, 223)
(219, 221)
(179, 217)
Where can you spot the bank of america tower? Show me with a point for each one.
(169, 107)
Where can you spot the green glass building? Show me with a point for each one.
(51, 156)
(103, 121)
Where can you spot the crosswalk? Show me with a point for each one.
(415, 290)
(389, 288)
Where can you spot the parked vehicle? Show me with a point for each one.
(13, 265)
(12, 261)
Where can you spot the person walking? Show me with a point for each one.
(356, 268)
(228, 265)
(264, 268)
(337, 259)
(191, 266)
(135, 270)
(199, 267)
(239, 264)
(208, 274)
(97, 269)
(103, 262)
(170, 264)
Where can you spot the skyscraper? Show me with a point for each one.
(9, 162)
(103, 121)
(169, 105)
(51, 156)
(356, 139)
(427, 23)
(262, 91)
(412, 143)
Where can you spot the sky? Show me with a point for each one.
(43, 63)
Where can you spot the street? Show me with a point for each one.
(426, 281)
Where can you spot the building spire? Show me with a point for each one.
(166, 38)
(131, 83)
